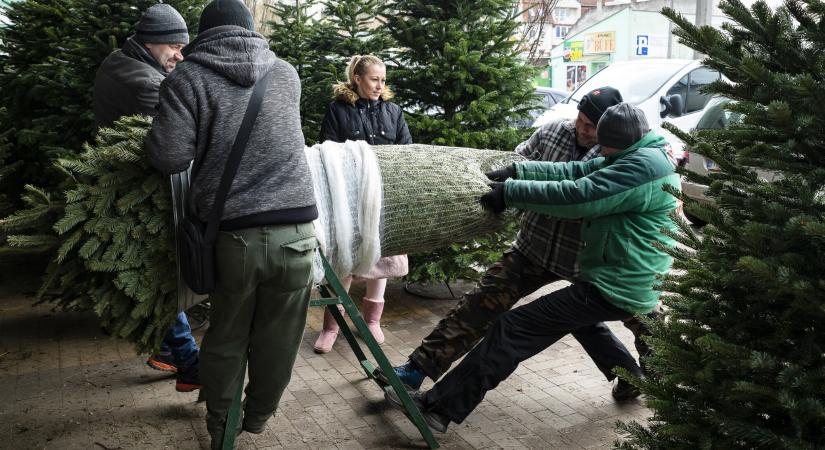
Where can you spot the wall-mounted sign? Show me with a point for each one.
(573, 51)
(601, 42)
(650, 45)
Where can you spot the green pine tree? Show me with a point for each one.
(739, 364)
(111, 233)
(460, 75)
(462, 82)
(320, 48)
(295, 38)
(6, 167)
(49, 54)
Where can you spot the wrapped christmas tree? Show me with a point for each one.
(115, 232)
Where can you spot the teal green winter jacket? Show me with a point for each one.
(624, 207)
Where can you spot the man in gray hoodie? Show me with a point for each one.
(265, 248)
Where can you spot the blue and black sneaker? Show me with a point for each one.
(410, 374)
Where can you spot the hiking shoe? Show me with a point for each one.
(624, 391)
(254, 426)
(410, 374)
(163, 362)
(188, 380)
(436, 422)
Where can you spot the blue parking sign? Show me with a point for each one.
(642, 44)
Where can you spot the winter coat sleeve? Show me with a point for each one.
(530, 148)
(618, 188)
(330, 125)
(403, 136)
(548, 135)
(147, 98)
(556, 171)
(171, 143)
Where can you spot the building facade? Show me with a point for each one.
(619, 31)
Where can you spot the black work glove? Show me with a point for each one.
(502, 174)
(494, 200)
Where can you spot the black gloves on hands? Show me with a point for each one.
(502, 174)
(494, 200)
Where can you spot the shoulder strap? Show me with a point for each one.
(234, 160)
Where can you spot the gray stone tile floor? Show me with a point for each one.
(66, 385)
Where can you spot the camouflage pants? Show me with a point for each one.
(504, 284)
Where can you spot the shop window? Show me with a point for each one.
(576, 76)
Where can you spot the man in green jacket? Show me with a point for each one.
(624, 208)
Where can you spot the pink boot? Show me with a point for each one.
(371, 309)
(328, 335)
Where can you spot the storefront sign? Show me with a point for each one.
(573, 51)
(601, 42)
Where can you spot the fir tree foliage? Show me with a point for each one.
(49, 54)
(112, 235)
(295, 38)
(320, 48)
(462, 82)
(460, 75)
(740, 364)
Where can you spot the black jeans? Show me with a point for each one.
(525, 331)
(505, 283)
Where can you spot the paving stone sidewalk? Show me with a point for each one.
(66, 385)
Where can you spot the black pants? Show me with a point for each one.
(525, 331)
(509, 280)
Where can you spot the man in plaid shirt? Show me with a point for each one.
(545, 251)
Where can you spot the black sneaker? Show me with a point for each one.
(435, 421)
(409, 373)
(188, 379)
(624, 391)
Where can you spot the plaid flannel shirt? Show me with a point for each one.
(551, 243)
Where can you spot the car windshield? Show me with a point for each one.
(716, 117)
(635, 87)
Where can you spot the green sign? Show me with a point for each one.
(573, 51)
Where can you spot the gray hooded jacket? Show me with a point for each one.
(202, 103)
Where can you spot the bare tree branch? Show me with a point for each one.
(537, 19)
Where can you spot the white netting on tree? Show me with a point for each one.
(425, 196)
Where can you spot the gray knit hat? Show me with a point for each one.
(622, 126)
(162, 24)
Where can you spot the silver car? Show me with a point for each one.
(714, 117)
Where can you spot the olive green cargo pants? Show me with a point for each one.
(259, 309)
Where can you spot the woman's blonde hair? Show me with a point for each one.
(358, 65)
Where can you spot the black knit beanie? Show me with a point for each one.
(596, 102)
(226, 12)
(622, 126)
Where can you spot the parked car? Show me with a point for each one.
(714, 117)
(665, 89)
(548, 97)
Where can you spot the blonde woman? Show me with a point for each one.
(361, 111)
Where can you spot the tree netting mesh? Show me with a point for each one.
(431, 195)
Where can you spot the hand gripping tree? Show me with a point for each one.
(739, 364)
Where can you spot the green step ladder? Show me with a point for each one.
(334, 294)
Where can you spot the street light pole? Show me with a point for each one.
(704, 16)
